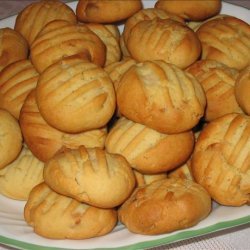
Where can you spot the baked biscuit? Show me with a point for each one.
(44, 141)
(117, 69)
(56, 216)
(145, 179)
(35, 16)
(91, 175)
(218, 82)
(74, 95)
(13, 47)
(227, 40)
(161, 96)
(221, 158)
(164, 39)
(108, 35)
(16, 81)
(242, 90)
(60, 39)
(147, 14)
(18, 178)
(184, 171)
(106, 11)
(165, 206)
(147, 150)
(195, 10)
(10, 138)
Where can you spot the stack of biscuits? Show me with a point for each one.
(145, 126)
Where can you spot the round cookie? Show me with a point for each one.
(242, 90)
(35, 16)
(56, 216)
(106, 11)
(195, 10)
(165, 206)
(18, 178)
(227, 40)
(147, 150)
(79, 97)
(91, 175)
(220, 162)
(109, 34)
(164, 39)
(13, 47)
(16, 82)
(60, 39)
(161, 96)
(10, 138)
(44, 141)
(218, 82)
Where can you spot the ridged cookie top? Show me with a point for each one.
(164, 206)
(59, 217)
(147, 150)
(226, 40)
(108, 34)
(147, 14)
(60, 39)
(35, 16)
(18, 178)
(106, 11)
(242, 90)
(164, 39)
(13, 47)
(75, 96)
(10, 138)
(218, 82)
(161, 96)
(91, 175)
(44, 141)
(221, 160)
(16, 81)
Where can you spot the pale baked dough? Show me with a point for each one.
(221, 158)
(10, 138)
(30, 21)
(44, 141)
(91, 175)
(16, 82)
(56, 216)
(165, 206)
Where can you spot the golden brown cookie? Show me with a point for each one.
(196, 10)
(164, 39)
(19, 177)
(221, 158)
(106, 11)
(145, 179)
(242, 90)
(147, 14)
(74, 95)
(44, 141)
(91, 175)
(161, 96)
(60, 39)
(35, 16)
(147, 150)
(13, 47)
(109, 34)
(227, 40)
(218, 82)
(184, 171)
(165, 206)
(16, 82)
(10, 138)
(56, 216)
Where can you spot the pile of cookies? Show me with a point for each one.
(146, 126)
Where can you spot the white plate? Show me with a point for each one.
(15, 232)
